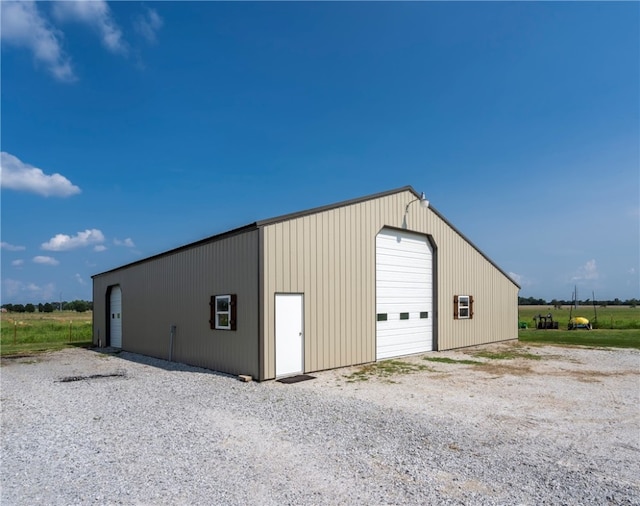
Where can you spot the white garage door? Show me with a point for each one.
(115, 314)
(404, 294)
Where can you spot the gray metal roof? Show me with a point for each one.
(285, 217)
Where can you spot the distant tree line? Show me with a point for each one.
(84, 305)
(532, 301)
(49, 307)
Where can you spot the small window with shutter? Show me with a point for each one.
(223, 312)
(462, 307)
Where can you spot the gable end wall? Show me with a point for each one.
(329, 256)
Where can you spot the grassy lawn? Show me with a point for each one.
(615, 326)
(618, 326)
(602, 338)
(384, 369)
(28, 333)
(609, 317)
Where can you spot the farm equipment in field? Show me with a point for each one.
(545, 322)
(580, 322)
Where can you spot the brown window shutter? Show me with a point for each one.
(234, 306)
(470, 306)
(212, 312)
(455, 307)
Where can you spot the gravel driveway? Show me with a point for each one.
(84, 427)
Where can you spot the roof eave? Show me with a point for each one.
(217, 237)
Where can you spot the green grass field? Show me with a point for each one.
(598, 338)
(26, 333)
(610, 317)
(616, 326)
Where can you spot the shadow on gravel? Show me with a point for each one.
(158, 362)
(69, 379)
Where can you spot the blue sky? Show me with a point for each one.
(130, 128)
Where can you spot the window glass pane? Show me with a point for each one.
(382, 317)
(463, 301)
(464, 312)
(223, 320)
(222, 304)
(424, 314)
(404, 316)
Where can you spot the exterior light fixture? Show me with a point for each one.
(424, 203)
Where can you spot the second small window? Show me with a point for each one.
(223, 312)
(462, 307)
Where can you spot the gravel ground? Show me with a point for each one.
(129, 429)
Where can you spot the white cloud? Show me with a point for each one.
(11, 287)
(148, 25)
(516, 277)
(24, 26)
(94, 13)
(29, 291)
(521, 280)
(45, 260)
(63, 242)
(27, 24)
(17, 175)
(588, 271)
(18, 263)
(79, 279)
(11, 247)
(99, 248)
(42, 292)
(128, 242)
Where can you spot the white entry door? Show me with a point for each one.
(289, 334)
(115, 315)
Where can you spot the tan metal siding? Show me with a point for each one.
(330, 257)
(462, 270)
(175, 289)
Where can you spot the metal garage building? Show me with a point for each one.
(372, 278)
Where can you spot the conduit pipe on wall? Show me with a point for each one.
(171, 336)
